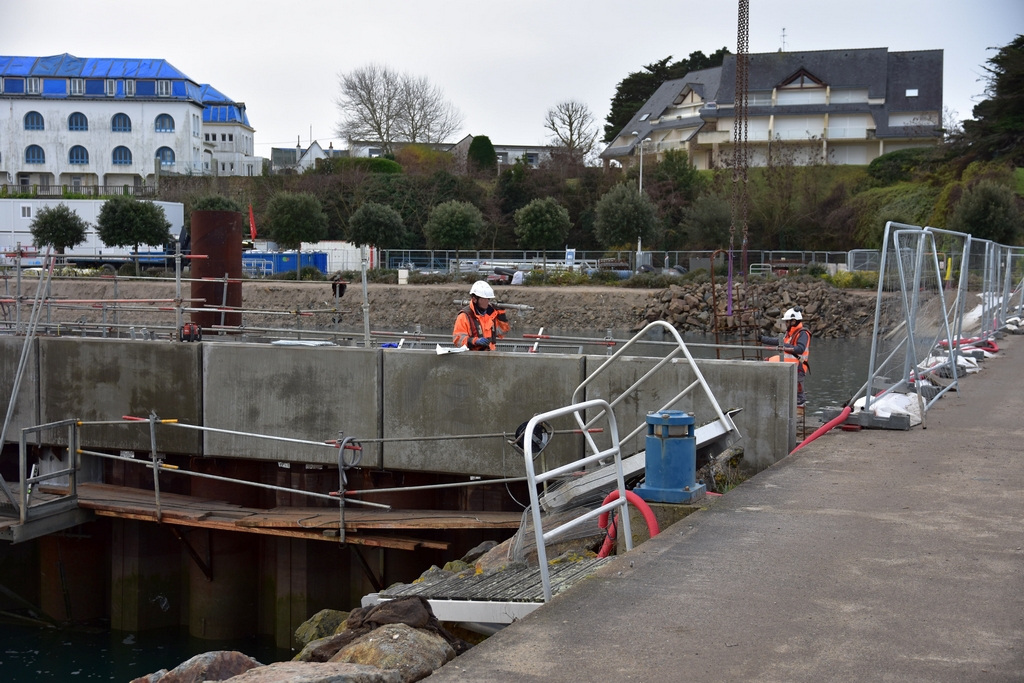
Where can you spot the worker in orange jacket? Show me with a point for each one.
(480, 324)
(795, 347)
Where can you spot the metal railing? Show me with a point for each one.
(679, 347)
(534, 479)
(75, 191)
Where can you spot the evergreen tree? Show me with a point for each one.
(58, 227)
(376, 224)
(623, 215)
(454, 225)
(125, 222)
(481, 156)
(998, 126)
(542, 224)
(988, 211)
(295, 218)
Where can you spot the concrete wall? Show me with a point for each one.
(473, 393)
(765, 391)
(313, 393)
(296, 392)
(26, 410)
(103, 379)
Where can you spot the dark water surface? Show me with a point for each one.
(41, 654)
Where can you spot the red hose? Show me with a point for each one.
(832, 424)
(640, 504)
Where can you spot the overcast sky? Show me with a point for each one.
(501, 62)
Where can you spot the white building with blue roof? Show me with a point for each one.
(74, 122)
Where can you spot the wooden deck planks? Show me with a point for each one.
(107, 500)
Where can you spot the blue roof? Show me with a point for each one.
(69, 66)
(219, 108)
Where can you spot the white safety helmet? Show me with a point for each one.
(792, 314)
(482, 290)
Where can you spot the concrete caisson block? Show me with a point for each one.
(104, 379)
(474, 393)
(296, 392)
(26, 408)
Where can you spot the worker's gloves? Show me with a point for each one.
(481, 343)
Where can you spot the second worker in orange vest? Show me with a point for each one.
(479, 325)
(795, 347)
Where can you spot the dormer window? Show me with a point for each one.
(801, 88)
(129, 88)
(110, 87)
(645, 117)
(32, 86)
(77, 86)
(163, 88)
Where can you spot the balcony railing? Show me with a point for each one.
(847, 133)
(76, 191)
(797, 134)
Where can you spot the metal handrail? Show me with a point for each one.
(533, 478)
(678, 348)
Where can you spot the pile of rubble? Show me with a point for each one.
(827, 310)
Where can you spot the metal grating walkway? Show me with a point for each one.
(500, 597)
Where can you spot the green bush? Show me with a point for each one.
(561, 278)
(310, 273)
(365, 164)
(899, 165)
(215, 202)
(648, 281)
(856, 279)
(605, 277)
(428, 278)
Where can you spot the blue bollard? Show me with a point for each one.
(671, 460)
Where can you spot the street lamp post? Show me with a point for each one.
(639, 250)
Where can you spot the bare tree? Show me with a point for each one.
(381, 104)
(424, 113)
(572, 128)
(370, 102)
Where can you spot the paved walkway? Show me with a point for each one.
(867, 556)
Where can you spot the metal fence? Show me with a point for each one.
(75, 191)
(444, 261)
(941, 296)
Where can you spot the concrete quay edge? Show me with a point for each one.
(866, 556)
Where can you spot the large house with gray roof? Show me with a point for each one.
(826, 106)
(75, 122)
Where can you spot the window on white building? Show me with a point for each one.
(77, 86)
(164, 124)
(166, 156)
(231, 137)
(129, 88)
(163, 88)
(110, 87)
(121, 123)
(26, 212)
(78, 121)
(223, 137)
(32, 86)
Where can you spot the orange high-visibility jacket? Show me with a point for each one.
(797, 344)
(492, 325)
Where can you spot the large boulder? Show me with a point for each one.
(317, 672)
(414, 653)
(322, 624)
(219, 665)
(322, 649)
